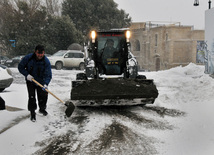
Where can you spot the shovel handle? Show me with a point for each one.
(47, 90)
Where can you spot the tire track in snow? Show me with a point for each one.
(116, 137)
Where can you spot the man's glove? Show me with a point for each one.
(29, 77)
(44, 87)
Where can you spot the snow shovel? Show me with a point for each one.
(69, 104)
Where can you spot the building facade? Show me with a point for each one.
(164, 46)
(209, 38)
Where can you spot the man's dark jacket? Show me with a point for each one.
(39, 69)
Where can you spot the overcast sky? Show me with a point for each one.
(167, 11)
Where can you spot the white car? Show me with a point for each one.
(68, 59)
(6, 78)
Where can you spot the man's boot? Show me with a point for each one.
(2, 104)
(44, 112)
(33, 116)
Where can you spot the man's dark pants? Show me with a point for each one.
(2, 104)
(42, 97)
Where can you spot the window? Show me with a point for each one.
(156, 39)
(166, 37)
(137, 45)
(102, 40)
(70, 55)
(74, 55)
(78, 55)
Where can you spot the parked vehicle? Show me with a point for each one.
(47, 55)
(6, 78)
(68, 59)
(3, 59)
(14, 62)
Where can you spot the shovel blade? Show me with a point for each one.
(70, 108)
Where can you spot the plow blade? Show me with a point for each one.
(114, 90)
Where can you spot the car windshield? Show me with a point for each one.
(103, 39)
(59, 53)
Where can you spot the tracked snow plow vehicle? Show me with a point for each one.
(111, 74)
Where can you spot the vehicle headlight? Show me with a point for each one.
(128, 35)
(93, 36)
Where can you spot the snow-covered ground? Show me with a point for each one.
(185, 89)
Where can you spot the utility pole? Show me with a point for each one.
(209, 4)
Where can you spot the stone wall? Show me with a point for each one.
(165, 46)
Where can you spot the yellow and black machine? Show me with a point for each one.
(111, 74)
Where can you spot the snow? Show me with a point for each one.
(189, 89)
(4, 74)
(186, 89)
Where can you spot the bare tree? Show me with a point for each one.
(53, 7)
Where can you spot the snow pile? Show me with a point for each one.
(4, 74)
(190, 90)
(182, 85)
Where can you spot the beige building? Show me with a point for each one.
(163, 46)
